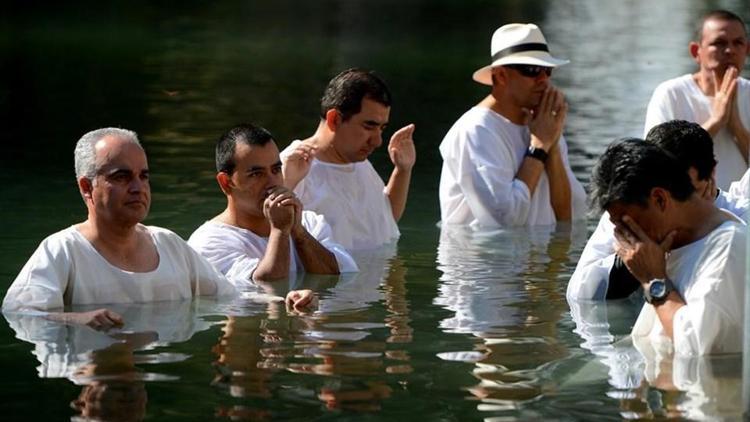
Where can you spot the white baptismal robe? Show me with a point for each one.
(709, 275)
(236, 252)
(66, 269)
(681, 98)
(482, 154)
(352, 199)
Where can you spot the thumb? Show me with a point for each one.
(666, 244)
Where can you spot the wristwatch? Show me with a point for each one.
(657, 290)
(537, 153)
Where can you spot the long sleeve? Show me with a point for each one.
(590, 279)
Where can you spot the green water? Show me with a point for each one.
(462, 327)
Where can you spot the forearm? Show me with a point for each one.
(275, 262)
(712, 126)
(559, 186)
(315, 257)
(397, 191)
(666, 311)
(530, 172)
(742, 139)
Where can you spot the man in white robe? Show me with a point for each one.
(688, 255)
(263, 234)
(330, 172)
(599, 268)
(110, 257)
(714, 96)
(505, 161)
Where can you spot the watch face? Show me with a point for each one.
(657, 289)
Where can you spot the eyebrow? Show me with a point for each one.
(375, 123)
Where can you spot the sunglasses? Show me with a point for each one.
(530, 70)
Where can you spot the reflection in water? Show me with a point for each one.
(105, 362)
(646, 384)
(502, 287)
(344, 341)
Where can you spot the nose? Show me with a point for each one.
(274, 179)
(376, 139)
(136, 185)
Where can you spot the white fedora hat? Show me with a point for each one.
(517, 43)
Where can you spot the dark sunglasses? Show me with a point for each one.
(530, 70)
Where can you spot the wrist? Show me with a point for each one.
(538, 143)
(537, 154)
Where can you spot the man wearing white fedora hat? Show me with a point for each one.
(505, 160)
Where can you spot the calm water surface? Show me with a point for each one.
(449, 325)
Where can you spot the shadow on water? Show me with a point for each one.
(451, 325)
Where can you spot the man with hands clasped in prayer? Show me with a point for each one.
(505, 161)
(715, 96)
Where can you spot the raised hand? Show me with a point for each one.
(296, 165)
(401, 148)
(547, 120)
(279, 208)
(645, 258)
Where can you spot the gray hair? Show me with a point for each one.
(85, 153)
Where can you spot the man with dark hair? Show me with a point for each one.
(600, 273)
(505, 161)
(263, 234)
(688, 255)
(331, 174)
(714, 96)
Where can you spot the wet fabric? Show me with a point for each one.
(482, 153)
(66, 269)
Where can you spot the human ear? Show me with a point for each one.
(85, 187)
(333, 119)
(225, 182)
(660, 197)
(693, 48)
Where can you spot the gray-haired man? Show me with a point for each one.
(110, 257)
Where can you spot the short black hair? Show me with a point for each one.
(718, 14)
(630, 168)
(246, 133)
(688, 142)
(347, 89)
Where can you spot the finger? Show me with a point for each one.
(114, 317)
(666, 244)
(729, 76)
(635, 229)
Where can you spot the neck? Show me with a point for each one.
(704, 79)
(322, 139)
(109, 235)
(504, 107)
(255, 224)
(697, 209)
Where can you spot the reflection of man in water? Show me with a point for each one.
(330, 172)
(263, 234)
(505, 161)
(111, 257)
(687, 254)
(714, 96)
(600, 273)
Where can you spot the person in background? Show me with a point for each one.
(330, 172)
(505, 161)
(714, 96)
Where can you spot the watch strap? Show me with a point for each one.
(537, 153)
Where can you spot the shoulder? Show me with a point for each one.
(213, 234)
(291, 147)
(477, 124)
